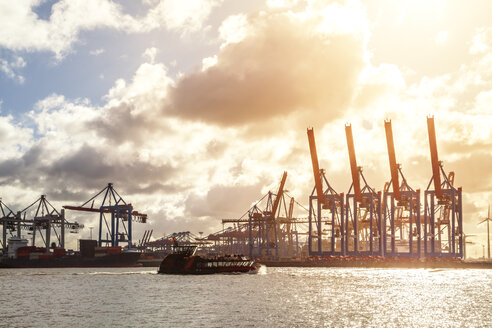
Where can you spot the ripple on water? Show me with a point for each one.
(276, 297)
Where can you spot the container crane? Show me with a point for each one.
(120, 212)
(46, 223)
(331, 242)
(361, 227)
(443, 233)
(270, 215)
(401, 207)
(10, 222)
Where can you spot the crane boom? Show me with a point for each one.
(279, 194)
(291, 208)
(135, 214)
(314, 159)
(392, 159)
(434, 157)
(353, 163)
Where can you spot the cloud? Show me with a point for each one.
(285, 64)
(224, 202)
(15, 137)
(192, 151)
(10, 68)
(96, 52)
(150, 54)
(482, 41)
(132, 109)
(23, 30)
(183, 16)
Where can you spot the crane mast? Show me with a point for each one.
(392, 160)
(279, 195)
(314, 159)
(353, 163)
(436, 176)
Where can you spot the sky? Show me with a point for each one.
(193, 109)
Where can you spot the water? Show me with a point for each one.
(276, 297)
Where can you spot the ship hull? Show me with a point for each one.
(111, 260)
(196, 265)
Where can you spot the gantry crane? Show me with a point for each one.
(401, 208)
(11, 222)
(46, 223)
(443, 209)
(324, 241)
(267, 231)
(363, 222)
(270, 219)
(120, 211)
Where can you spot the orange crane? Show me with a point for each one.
(279, 195)
(436, 175)
(392, 160)
(318, 183)
(327, 199)
(369, 200)
(448, 208)
(353, 163)
(408, 201)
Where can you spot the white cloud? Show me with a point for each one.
(233, 29)
(182, 16)
(22, 29)
(482, 41)
(281, 4)
(208, 62)
(10, 69)
(15, 137)
(96, 52)
(150, 54)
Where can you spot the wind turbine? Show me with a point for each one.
(487, 219)
(465, 236)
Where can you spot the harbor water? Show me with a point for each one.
(275, 297)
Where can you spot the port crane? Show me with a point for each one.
(443, 209)
(11, 222)
(119, 214)
(48, 219)
(268, 229)
(47, 223)
(324, 241)
(271, 226)
(363, 222)
(401, 208)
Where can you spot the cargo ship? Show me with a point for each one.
(184, 261)
(22, 256)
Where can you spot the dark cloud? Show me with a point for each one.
(79, 175)
(280, 68)
(119, 124)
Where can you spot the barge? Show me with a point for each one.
(184, 261)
